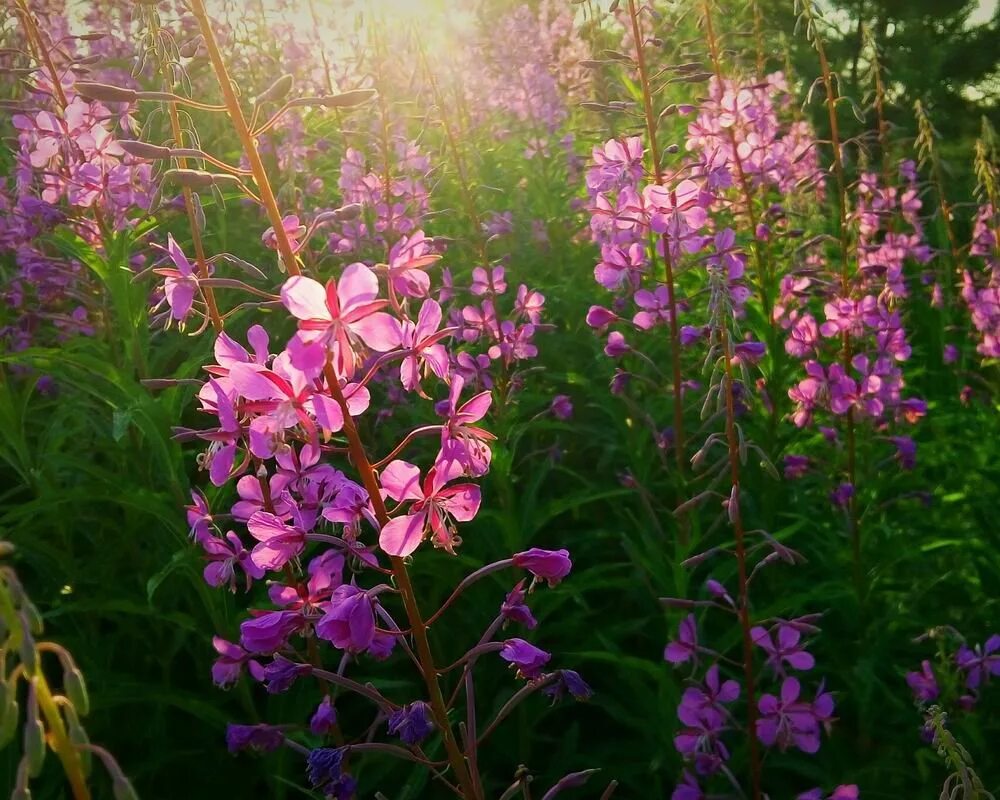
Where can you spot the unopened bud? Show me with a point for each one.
(189, 48)
(350, 99)
(199, 213)
(153, 152)
(34, 736)
(733, 505)
(76, 690)
(104, 93)
(8, 720)
(348, 212)
(277, 90)
(191, 178)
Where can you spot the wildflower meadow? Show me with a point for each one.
(500, 399)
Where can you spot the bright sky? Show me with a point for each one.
(987, 8)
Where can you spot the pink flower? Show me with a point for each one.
(224, 557)
(278, 543)
(551, 565)
(337, 319)
(181, 284)
(461, 440)
(425, 353)
(408, 260)
(349, 624)
(434, 507)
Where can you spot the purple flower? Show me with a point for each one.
(349, 623)
(561, 407)
(259, 738)
(980, 663)
(707, 699)
(551, 565)
(906, 451)
(269, 630)
(841, 496)
(786, 721)
(324, 768)
(281, 673)
(685, 647)
(796, 466)
(923, 684)
(568, 681)
(785, 647)
(528, 659)
(412, 722)
(514, 609)
(687, 789)
(229, 665)
(324, 717)
(616, 346)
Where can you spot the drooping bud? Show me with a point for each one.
(356, 97)
(34, 735)
(276, 91)
(192, 178)
(76, 691)
(348, 212)
(102, 92)
(189, 48)
(153, 152)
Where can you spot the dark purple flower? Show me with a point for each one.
(411, 723)
(324, 717)
(568, 681)
(906, 451)
(259, 738)
(687, 789)
(515, 609)
(281, 673)
(528, 659)
(562, 407)
(980, 663)
(552, 565)
(349, 623)
(842, 495)
(923, 684)
(269, 631)
(228, 666)
(786, 721)
(796, 466)
(324, 768)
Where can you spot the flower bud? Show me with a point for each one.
(34, 736)
(153, 152)
(276, 91)
(191, 178)
(78, 736)
(8, 720)
(190, 48)
(76, 691)
(348, 212)
(104, 93)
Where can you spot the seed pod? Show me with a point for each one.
(34, 736)
(199, 212)
(8, 721)
(191, 178)
(225, 179)
(76, 691)
(276, 91)
(153, 152)
(104, 93)
(350, 99)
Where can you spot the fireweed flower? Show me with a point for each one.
(411, 723)
(786, 721)
(228, 667)
(515, 609)
(349, 622)
(561, 407)
(550, 565)
(923, 684)
(783, 648)
(979, 663)
(568, 682)
(324, 718)
(435, 506)
(685, 647)
(528, 659)
(259, 738)
(324, 769)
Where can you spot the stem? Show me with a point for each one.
(42, 53)
(845, 288)
(243, 132)
(59, 741)
(736, 515)
(647, 101)
(417, 624)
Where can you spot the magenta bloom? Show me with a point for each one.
(562, 407)
(514, 608)
(279, 543)
(528, 659)
(181, 284)
(552, 565)
(408, 260)
(228, 666)
(434, 507)
(337, 319)
(685, 647)
(349, 623)
(979, 664)
(687, 789)
(786, 721)
(923, 684)
(324, 718)
(784, 648)
(422, 341)
(225, 557)
(462, 441)
(269, 630)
